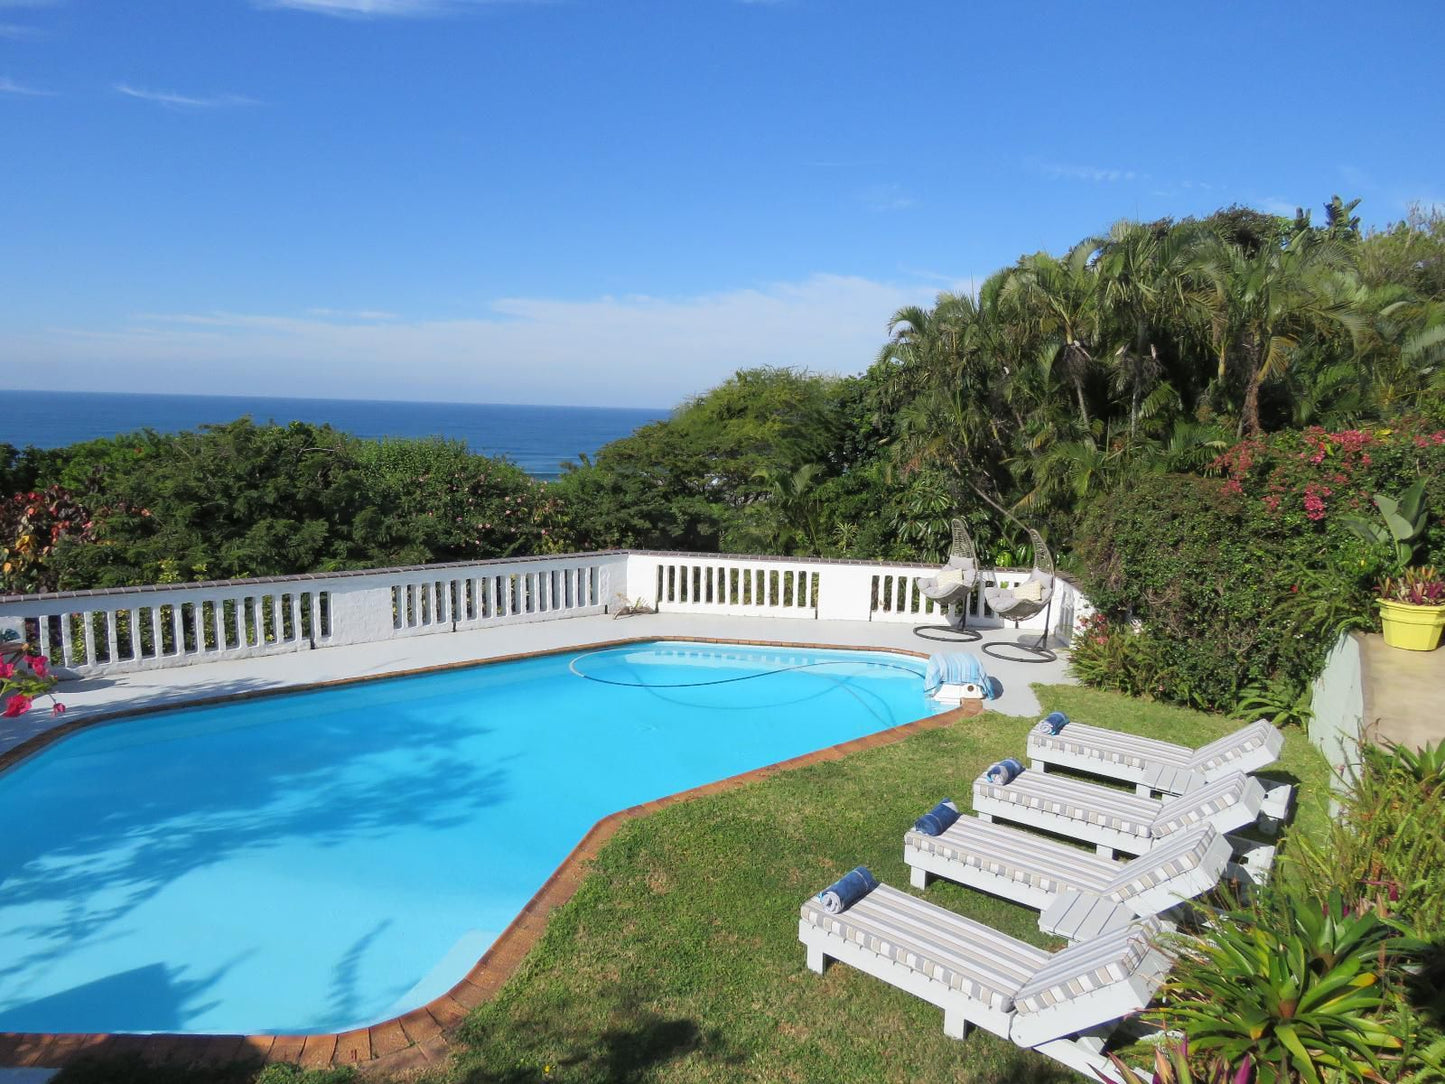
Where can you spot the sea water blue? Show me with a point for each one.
(536, 438)
(317, 861)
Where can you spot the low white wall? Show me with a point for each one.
(1339, 708)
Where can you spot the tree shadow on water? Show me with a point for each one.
(83, 862)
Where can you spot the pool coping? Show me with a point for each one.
(418, 1037)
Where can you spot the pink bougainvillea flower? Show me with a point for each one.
(18, 704)
(7, 670)
(38, 663)
(57, 708)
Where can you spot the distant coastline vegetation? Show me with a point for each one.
(1259, 371)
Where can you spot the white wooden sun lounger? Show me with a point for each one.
(1114, 820)
(1063, 1005)
(1154, 767)
(1080, 894)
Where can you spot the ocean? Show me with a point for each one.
(537, 438)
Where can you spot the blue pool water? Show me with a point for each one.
(320, 861)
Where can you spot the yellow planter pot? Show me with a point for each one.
(1415, 628)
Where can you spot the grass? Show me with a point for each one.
(678, 960)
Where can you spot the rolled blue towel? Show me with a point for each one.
(1004, 772)
(847, 890)
(938, 819)
(1053, 723)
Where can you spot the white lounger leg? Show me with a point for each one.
(1104, 850)
(816, 960)
(919, 877)
(954, 1024)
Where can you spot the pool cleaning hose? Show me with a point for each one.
(724, 681)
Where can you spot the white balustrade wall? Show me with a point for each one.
(141, 628)
(827, 590)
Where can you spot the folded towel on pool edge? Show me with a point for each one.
(1052, 723)
(1005, 771)
(956, 668)
(847, 890)
(938, 819)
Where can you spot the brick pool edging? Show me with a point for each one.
(417, 1037)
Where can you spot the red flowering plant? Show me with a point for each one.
(24, 677)
(31, 526)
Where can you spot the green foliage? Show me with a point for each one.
(1401, 527)
(1386, 847)
(241, 500)
(1240, 584)
(293, 1074)
(772, 460)
(1280, 701)
(1292, 985)
(1203, 574)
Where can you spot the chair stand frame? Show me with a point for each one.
(950, 633)
(1036, 652)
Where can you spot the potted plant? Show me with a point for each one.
(1412, 608)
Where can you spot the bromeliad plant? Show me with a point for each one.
(1413, 586)
(1172, 1066)
(1292, 986)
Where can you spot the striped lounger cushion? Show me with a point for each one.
(1042, 864)
(1109, 747)
(1073, 800)
(1242, 793)
(1088, 966)
(1249, 748)
(964, 955)
(1170, 862)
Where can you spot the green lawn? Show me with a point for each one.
(678, 958)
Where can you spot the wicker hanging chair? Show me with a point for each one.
(1023, 601)
(952, 585)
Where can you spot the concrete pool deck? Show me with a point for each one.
(418, 1038)
(87, 698)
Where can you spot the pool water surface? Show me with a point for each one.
(318, 861)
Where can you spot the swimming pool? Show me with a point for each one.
(318, 861)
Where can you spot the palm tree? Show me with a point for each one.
(1149, 307)
(1055, 300)
(1263, 306)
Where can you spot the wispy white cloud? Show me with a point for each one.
(520, 350)
(10, 86)
(16, 32)
(381, 9)
(1094, 174)
(184, 101)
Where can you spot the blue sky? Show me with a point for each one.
(618, 201)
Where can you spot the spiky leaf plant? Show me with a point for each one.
(1291, 985)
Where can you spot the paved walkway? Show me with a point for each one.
(87, 697)
(1402, 693)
